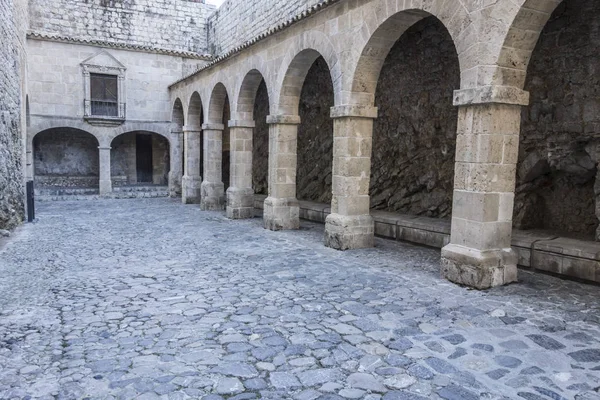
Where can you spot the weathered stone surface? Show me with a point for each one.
(12, 108)
(557, 157)
(172, 26)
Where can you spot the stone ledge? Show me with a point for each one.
(535, 249)
(491, 94)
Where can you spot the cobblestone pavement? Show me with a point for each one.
(153, 299)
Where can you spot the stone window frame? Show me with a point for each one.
(119, 72)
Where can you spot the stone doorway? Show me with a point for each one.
(143, 150)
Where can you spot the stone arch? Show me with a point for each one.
(216, 106)
(559, 151)
(177, 116)
(34, 129)
(302, 54)
(194, 113)
(140, 156)
(388, 30)
(247, 94)
(65, 156)
(520, 41)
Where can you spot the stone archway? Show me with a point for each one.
(557, 178)
(414, 136)
(65, 160)
(140, 158)
(216, 149)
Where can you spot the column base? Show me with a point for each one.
(174, 185)
(281, 214)
(105, 187)
(240, 203)
(213, 196)
(349, 232)
(478, 269)
(190, 189)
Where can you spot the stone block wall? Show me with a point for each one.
(166, 24)
(68, 153)
(557, 184)
(237, 21)
(13, 20)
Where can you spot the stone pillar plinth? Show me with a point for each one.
(281, 209)
(240, 195)
(479, 254)
(191, 181)
(213, 190)
(105, 184)
(350, 225)
(176, 172)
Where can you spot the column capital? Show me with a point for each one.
(188, 128)
(496, 94)
(213, 127)
(283, 119)
(356, 111)
(238, 123)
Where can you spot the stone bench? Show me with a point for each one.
(535, 249)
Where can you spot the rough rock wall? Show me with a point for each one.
(237, 21)
(226, 163)
(65, 152)
(315, 135)
(414, 137)
(13, 21)
(166, 24)
(560, 130)
(260, 142)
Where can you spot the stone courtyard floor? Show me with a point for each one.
(153, 299)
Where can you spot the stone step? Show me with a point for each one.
(160, 191)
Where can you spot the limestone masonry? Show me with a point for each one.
(464, 125)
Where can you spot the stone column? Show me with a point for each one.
(105, 177)
(240, 194)
(191, 181)
(350, 225)
(213, 190)
(479, 254)
(176, 159)
(281, 210)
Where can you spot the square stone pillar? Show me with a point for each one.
(191, 181)
(479, 254)
(176, 159)
(240, 194)
(350, 225)
(105, 184)
(213, 190)
(281, 209)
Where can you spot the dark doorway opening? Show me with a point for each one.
(144, 158)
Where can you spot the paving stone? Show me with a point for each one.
(454, 392)
(254, 315)
(546, 342)
(365, 381)
(229, 386)
(283, 380)
(587, 355)
(507, 361)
